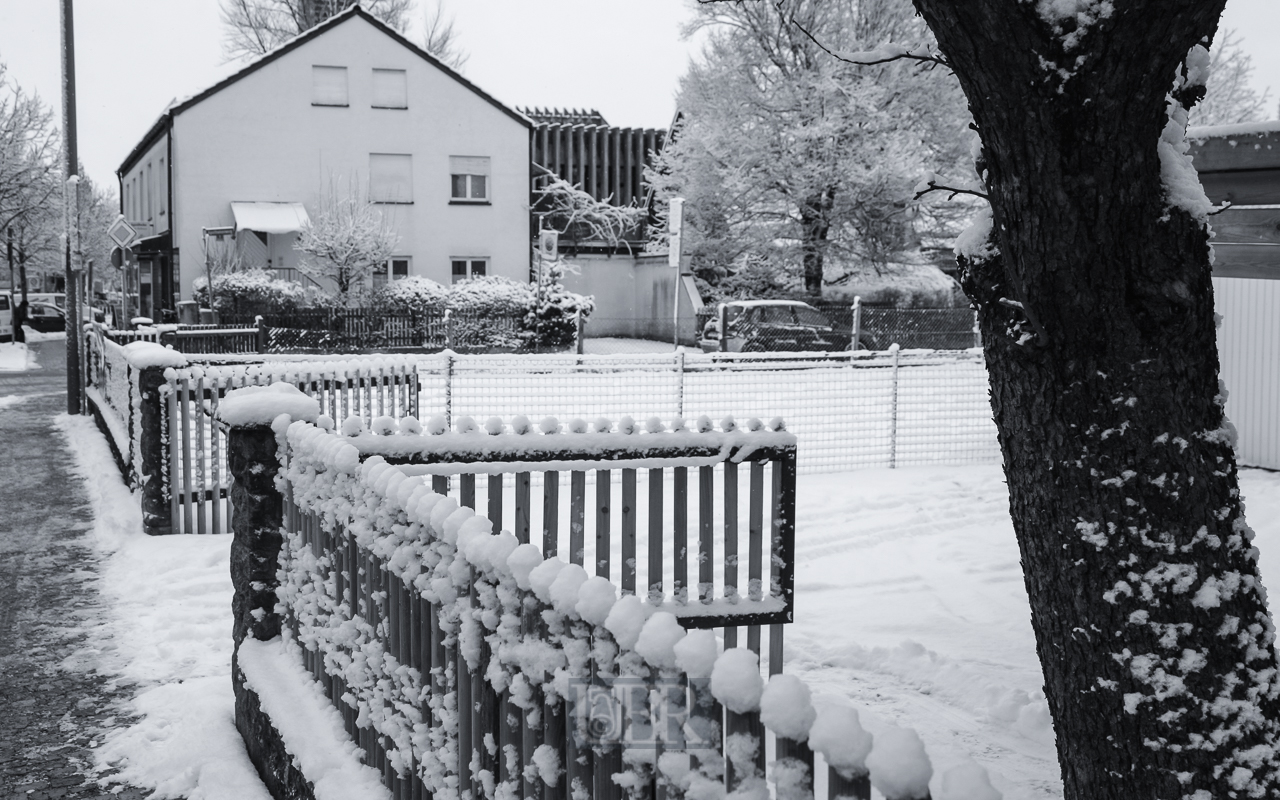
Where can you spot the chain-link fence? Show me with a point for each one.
(768, 328)
(849, 410)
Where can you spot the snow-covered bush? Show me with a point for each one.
(413, 294)
(552, 313)
(490, 295)
(253, 291)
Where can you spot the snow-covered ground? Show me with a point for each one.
(910, 604)
(15, 357)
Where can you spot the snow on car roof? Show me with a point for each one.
(756, 303)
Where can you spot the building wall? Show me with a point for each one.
(144, 190)
(634, 297)
(261, 139)
(1249, 351)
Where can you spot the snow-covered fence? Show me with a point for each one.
(201, 339)
(850, 409)
(474, 664)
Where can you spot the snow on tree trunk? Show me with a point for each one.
(1096, 310)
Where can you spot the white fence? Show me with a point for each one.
(849, 410)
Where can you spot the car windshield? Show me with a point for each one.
(774, 315)
(809, 316)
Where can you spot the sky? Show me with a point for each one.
(622, 57)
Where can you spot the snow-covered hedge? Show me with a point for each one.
(413, 294)
(253, 291)
(484, 585)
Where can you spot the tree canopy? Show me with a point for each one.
(790, 157)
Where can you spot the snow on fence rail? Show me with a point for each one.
(851, 409)
(472, 663)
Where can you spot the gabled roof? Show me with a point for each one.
(165, 122)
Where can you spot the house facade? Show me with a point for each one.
(347, 108)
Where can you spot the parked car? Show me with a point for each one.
(762, 325)
(59, 299)
(46, 318)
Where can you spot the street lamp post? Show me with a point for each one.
(71, 168)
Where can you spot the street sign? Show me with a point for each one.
(548, 244)
(121, 232)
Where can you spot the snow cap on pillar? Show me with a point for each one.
(261, 405)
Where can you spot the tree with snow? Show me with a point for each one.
(793, 157)
(255, 27)
(345, 241)
(579, 218)
(30, 184)
(1229, 96)
(1091, 277)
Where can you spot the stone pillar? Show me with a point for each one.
(255, 527)
(153, 480)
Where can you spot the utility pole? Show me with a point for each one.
(71, 169)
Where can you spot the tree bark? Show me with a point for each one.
(1096, 309)
(815, 225)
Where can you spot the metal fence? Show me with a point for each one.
(849, 410)
(334, 330)
(872, 327)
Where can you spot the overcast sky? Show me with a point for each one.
(623, 57)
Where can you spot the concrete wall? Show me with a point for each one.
(261, 139)
(635, 297)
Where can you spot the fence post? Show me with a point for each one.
(448, 329)
(893, 409)
(261, 337)
(152, 453)
(577, 328)
(857, 321)
(723, 314)
(448, 389)
(680, 383)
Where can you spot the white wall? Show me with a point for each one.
(634, 297)
(260, 139)
(1249, 350)
(149, 178)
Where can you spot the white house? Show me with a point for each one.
(349, 103)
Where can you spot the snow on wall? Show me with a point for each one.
(481, 583)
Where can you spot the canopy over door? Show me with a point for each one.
(270, 217)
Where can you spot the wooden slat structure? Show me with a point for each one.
(605, 161)
(1239, 166)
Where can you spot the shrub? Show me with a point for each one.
(551, 317)
(253, 291)
(413, 294)
(491, 295)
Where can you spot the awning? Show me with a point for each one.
(270, 217)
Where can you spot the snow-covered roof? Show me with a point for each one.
(178, 106)
(756, 303)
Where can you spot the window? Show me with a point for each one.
(467, 267)
(390, 178)
(399, 268)
(390, 89)
(469, 179)
(328, 86)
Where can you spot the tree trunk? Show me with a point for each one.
(815, 225)
(1096, 311)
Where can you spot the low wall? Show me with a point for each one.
(635, 297)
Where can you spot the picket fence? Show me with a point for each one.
(525, 678)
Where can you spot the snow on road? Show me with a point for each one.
(15, 357)
(910, 605)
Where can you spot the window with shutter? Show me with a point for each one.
(390, 178)
(390, 88)
(328, 86)
(469, 179)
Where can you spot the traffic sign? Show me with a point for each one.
(121, 232)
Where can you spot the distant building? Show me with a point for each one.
(349, 101)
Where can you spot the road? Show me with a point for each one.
(56, 704)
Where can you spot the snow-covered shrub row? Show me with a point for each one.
(484, 586)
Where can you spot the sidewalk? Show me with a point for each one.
(56, 701)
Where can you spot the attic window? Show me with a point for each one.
(390, 89)
(329, 86)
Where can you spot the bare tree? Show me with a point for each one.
(440, 38)
(255, 27)
(1229, 98)
(579, 217)
(347, 239)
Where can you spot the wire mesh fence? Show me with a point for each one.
(849, 410)
(768, 328)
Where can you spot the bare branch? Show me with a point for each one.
(885, 54)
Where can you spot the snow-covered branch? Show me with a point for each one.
(932, 183)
